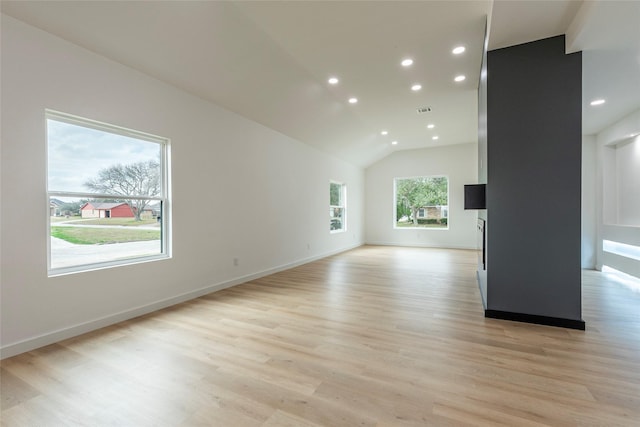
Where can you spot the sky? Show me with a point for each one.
(76, 154)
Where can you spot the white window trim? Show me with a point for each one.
(164, 198)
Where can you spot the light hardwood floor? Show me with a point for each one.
(377, 336)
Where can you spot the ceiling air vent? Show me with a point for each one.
(422, 110)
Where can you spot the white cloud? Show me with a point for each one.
(77, 153)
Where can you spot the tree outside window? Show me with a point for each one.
(125, 180)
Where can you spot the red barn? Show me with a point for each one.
(106, 210)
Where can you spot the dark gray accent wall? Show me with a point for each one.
(534, 108)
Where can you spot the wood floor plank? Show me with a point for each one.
(14, 391)
(376, 336)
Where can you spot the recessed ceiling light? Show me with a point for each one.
(458, 50)
(597, 102)
(460, 78)
(435, 137)
(353, 100)
(384, 132)
(333, 81)
(430, 126)
(394, 142)
(407, 62)
(416, 87)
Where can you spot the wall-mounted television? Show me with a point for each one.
(475, 196)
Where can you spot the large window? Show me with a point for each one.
(422, 202)
(337, 207)
(107, 194)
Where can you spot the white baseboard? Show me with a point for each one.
(92, 325)
(424, 245)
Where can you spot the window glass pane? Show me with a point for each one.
(335, 194)
(92, 231)
(422, 202)
(83, 159)
(337, 218)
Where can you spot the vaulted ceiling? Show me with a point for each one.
(270, 61)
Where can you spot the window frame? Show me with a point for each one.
(342, 205)
(395, 198)
(164, 198)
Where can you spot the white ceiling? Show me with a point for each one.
(606, 31)
(270, 61)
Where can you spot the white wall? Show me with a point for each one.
(628, 177)
(616, 191)
(588, 252)
(458, 162)
(225, 169)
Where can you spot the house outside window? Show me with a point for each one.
(421, 202)
(111, 189)
(337, 207)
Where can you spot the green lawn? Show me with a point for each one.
(100, 236)
(410, 225)
(127, 222)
